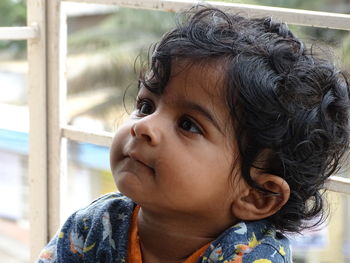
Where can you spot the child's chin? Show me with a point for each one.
(126, 189)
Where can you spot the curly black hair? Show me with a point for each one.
(287, 104)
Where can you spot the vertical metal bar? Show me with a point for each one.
(38, 129)
(62, 109)
(56, 91)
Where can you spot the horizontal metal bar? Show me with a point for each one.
(100, 138)
(288, 15)
(338, 184)
(19, 33)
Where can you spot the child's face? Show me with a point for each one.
(175, 153)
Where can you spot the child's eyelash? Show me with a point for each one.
(144, 106)
(139, 100)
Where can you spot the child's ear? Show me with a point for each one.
(254, 204)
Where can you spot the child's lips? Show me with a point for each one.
(135, 157)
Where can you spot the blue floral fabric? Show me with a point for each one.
(99, 234)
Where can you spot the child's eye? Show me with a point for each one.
(145, 107)
(189, 125)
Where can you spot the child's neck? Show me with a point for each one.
(172, 240)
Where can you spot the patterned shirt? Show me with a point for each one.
(99, 234)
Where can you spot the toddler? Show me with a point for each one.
(235, 130)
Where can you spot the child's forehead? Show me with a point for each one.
(198, 76)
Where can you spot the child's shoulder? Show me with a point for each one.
(250, 242)
(91, 231)
(111, 207)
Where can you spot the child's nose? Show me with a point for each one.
(147, 129)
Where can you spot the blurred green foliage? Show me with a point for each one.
(126, 25)
(13, 13)
(119, 39)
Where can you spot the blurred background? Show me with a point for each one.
(106, 46)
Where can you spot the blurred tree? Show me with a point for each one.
(125, 26)
(13, 13)
(119, 39)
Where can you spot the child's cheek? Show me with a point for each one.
(118, 143)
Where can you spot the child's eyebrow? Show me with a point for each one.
(201, 110)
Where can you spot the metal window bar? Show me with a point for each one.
(19, 33)
(37, 102)
(288, 15)
(47, 43)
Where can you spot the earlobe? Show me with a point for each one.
(254, 204)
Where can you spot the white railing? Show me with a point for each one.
(19, 33)
(47, 41)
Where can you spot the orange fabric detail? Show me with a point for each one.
(134, 250)
(236, 260)
(46, 255)
(193, 258)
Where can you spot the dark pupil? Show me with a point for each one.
(146, 108)
(186, 125)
